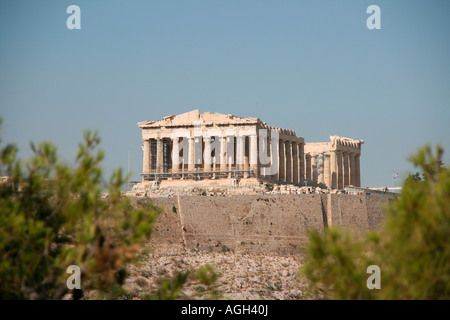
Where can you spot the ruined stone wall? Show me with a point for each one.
(272, 224)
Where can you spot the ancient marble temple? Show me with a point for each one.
(220, 149)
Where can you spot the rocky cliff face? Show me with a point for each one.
(255, 242)
(259, 224)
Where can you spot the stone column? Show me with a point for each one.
(159, 155)
(333, 169)
(274, 153)
(246, 155)
(207, 154)
(301, 163)
(198, 153)
(185, 155)
(146, 167)
(314, 167)
(326, 170)
(295, 178)
(340, 175)
(346, 172)
(358, 170)
(240, 149)
(352, 169)
(175, 155)
(281, 163)
(287, 167)
(308, 168)
(191, 164)
(254, 154)
(215, 157)
(223, 153)
(320, 173)
(230, 154)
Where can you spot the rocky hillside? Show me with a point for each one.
(241, 276)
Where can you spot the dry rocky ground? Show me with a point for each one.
(241, 276)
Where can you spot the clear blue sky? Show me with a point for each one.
(311, 66)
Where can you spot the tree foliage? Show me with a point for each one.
(53, 215)
(208, 276)
(411, 248)
(170, 289)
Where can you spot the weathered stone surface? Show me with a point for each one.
(259, 224)
(241, 276)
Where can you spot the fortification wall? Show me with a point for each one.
(272, 224)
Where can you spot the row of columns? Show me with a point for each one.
(149, 159)
(230, 153)
(335, 169)
(290, 162)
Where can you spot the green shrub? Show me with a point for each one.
(52, 215)
(411, 248)
(207, 275)
(170, 289)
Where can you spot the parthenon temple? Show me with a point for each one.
(217, 148)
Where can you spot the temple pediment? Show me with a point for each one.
(189, 118)
(345, 142)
